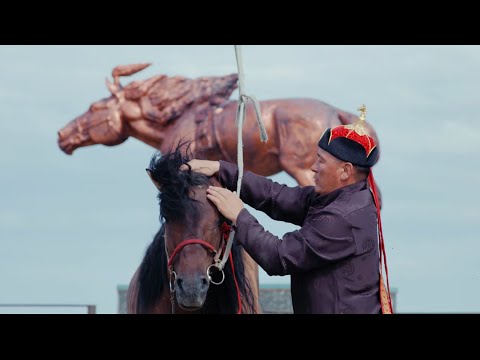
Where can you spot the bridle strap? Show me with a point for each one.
(188, 242)
(228, 235)
(227, 232)
(173, 275)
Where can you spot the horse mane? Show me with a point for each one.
(175, 203)
(152, 277)
(171, 96)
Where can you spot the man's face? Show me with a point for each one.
(327, 171)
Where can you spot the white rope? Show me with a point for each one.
(241, 115)
(239, 121)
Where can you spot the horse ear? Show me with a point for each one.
(113, 88)
(155, 182)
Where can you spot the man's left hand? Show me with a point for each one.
(227, 202)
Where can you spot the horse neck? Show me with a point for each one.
(162, 137)
(155, 136)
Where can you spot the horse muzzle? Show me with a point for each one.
(191, 292)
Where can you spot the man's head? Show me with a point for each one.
(332, 173)
(344, 156)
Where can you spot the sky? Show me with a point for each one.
(73, 228)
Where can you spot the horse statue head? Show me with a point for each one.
(144, 109)
(179, 265)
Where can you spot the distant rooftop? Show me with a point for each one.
(274, 298)
(122, 288)
(275, 286)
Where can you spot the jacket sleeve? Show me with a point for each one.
(280, 202)
(326, 239)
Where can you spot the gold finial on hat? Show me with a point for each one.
(363, 112)
(359, 125)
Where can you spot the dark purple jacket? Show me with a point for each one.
(332, 259)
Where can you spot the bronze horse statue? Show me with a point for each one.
(161, 110)
(177, 274)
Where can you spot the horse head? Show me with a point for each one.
(103, 123)
(142, 108)
(194, 232)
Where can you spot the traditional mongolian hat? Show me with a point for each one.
(353, 144)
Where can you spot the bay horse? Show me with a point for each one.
(176, 274)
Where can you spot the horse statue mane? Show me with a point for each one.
(163, 98)
(180, 206)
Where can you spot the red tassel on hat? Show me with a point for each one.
(385, 296)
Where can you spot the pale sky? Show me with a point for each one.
(72, 228)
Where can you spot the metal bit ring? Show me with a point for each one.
(210, 278)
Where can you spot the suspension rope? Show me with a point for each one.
(243, 99)
(239, 121)
(241, 115)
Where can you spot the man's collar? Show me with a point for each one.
(326, 199)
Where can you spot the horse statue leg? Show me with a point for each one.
(299, 128)
(295, 156)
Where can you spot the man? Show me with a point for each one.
(334, 258)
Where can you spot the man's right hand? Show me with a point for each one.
(205, 167)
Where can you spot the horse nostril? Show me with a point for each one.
(180, 284)
(204, 281)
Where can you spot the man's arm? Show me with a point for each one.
(278, 201)
(320, 242)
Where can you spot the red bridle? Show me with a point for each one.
(188, 242)
(225, 234)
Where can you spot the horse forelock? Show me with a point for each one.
(174, 197)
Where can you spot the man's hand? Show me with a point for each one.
(227, 202)
(205, 167)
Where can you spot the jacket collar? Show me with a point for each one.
(324, 200)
